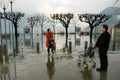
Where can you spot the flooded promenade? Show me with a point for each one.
(75, 26)
(29, 65)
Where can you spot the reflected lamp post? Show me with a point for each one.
(64, 20)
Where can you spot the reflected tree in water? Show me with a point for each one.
(50, 67)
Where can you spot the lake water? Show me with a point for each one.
(60, 41)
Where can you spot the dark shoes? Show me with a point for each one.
(100, 70)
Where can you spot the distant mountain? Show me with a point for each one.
(115, 12)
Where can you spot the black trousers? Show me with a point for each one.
(103, 58)
(48, 49)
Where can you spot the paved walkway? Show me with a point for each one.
(38, 66)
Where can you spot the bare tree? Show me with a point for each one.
(93, 20)
(32, 22)
(64, 20)
(42, 20)
(53, 24)
(15, 19)
(74, 22)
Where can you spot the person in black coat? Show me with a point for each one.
(103, 45)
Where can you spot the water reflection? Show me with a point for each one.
(4, 71)
(103, 76)
(87, 74)
(65, 56)
(8, 70)
(15, 71)
(50, 67)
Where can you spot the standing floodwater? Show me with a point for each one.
(29, 65)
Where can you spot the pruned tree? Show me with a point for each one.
(74, 22)
(93, 20)
(32, 22)
(64, 20)
(53, 23)
(15, 19)
(42, 20)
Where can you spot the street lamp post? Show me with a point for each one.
(11, 3)
(4, 7)
(0, 32)
(0, 24)
(14, 18)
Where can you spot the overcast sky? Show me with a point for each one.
(60, 6)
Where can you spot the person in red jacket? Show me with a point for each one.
(49, 41)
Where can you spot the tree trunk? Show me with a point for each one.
(1, 31)
(32, 37)
(54, 30)
(42, 35)
(75, 35)
(16, 38)
(91, 30)
(66, 42)
(90, 45)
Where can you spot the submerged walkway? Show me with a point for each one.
(38, 66)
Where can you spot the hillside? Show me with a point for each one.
(115, 12)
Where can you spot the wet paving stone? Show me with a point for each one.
(60, 66)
